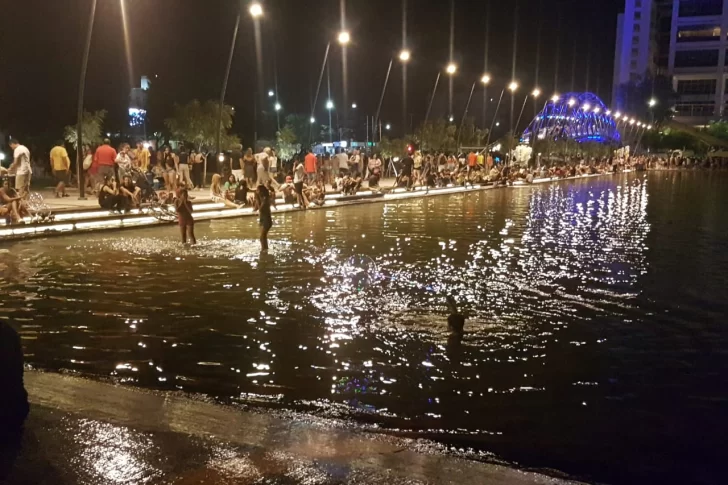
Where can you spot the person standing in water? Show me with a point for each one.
(262, 204)
(183, 205)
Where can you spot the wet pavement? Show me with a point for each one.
(87, 432)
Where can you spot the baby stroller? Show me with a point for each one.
(141, 180)
(38, 209)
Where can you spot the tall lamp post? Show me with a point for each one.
(256, 11)
(451, 69)
(81, 90)
(512, 88)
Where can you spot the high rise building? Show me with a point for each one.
(686, 40)
(697, 61)
(138, 99)
(635, 55)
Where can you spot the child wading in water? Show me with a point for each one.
(183, 205)
(262, 204)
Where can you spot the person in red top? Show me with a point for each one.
(104, 159)
(472, 161)
(310, 164)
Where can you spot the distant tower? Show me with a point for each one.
(138, 100)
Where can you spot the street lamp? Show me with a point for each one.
(485, 79)
(278, 106)
(555, 98)
(344, 37)
(271, 93)
(256, 10)
(571, 102)
(513, 86)
(312, 120)
(388, 127)
(652, 102)
(329, 105)
(404, 55)
(617, 115)
(451, 68)
(536, 93)
(353, 106)
(597, 109)
(451, 118)
(221, 157)
(586, 107)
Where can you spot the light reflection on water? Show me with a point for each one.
(346, 315)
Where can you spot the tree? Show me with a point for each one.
(198, 124)
(392, 148)
(304, 130)
(437, 136)
(91, 129)
(470, 135)
(286, 143)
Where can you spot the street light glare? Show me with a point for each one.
(652, 102)
(221, 157)
(451, 118)
(617, 115)
(388, 127)
(256, 10)
(404, 56)
(353, 106)
(597, 109)
(485, 79)
(271, 93)
(572, 102)
(278, 106)
(555, 98)
(329, 104)
(513, 86)
(451, 68)
(586, 106)
(536, 93)
(312, 120)
(344, 37)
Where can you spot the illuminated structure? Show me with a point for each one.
(138, 107)
(581, 117)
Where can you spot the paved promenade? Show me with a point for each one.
(87, 432)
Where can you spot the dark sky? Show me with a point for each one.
(185, 43)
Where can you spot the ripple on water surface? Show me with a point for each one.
(566, 338)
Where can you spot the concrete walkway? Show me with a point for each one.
(87, 432)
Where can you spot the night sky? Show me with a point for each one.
(185, 43)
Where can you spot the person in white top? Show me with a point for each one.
(343, 160)
(21, 167)
(299, 175)
(273, 161)
(263, 159)
(123, 161)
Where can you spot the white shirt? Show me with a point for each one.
(273, 161)
(298, 173)
(261, 158)
(343, 160)
(24, 154)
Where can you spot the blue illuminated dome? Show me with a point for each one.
(581, 117)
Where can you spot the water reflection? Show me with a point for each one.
(347, 315)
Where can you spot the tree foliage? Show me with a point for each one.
(440, 135)
(392, 148)
(197, 123)
(287, 143)
(91, 129)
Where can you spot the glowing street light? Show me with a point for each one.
(404, 55)
(312, 120)
(572, 102)
(632, 121)
(256, 10)
(388, 127)
(649, 127)
(451, 118)
(278, 106)
(536, 93)
(344, 37)
(652, 102)
(2, 156)
(597, 109)
(555, 98)
(617, 115)
(586, 106)
(513, 86)
(451, 68)
(221, 157)
(329, 104)
(485, 79)
(353, 106)
(271, 93)
(608, 112)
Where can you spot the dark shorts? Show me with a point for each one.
(298, 187)
(61, 176)
(265, 224)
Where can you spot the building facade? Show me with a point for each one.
(698, 62)
(635, 55)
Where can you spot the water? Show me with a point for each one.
(596, 339)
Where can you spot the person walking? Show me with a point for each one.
(262, 204)
(183, 206)
(21, 168)
(184, 167)
(310, 166)
(61, 167)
